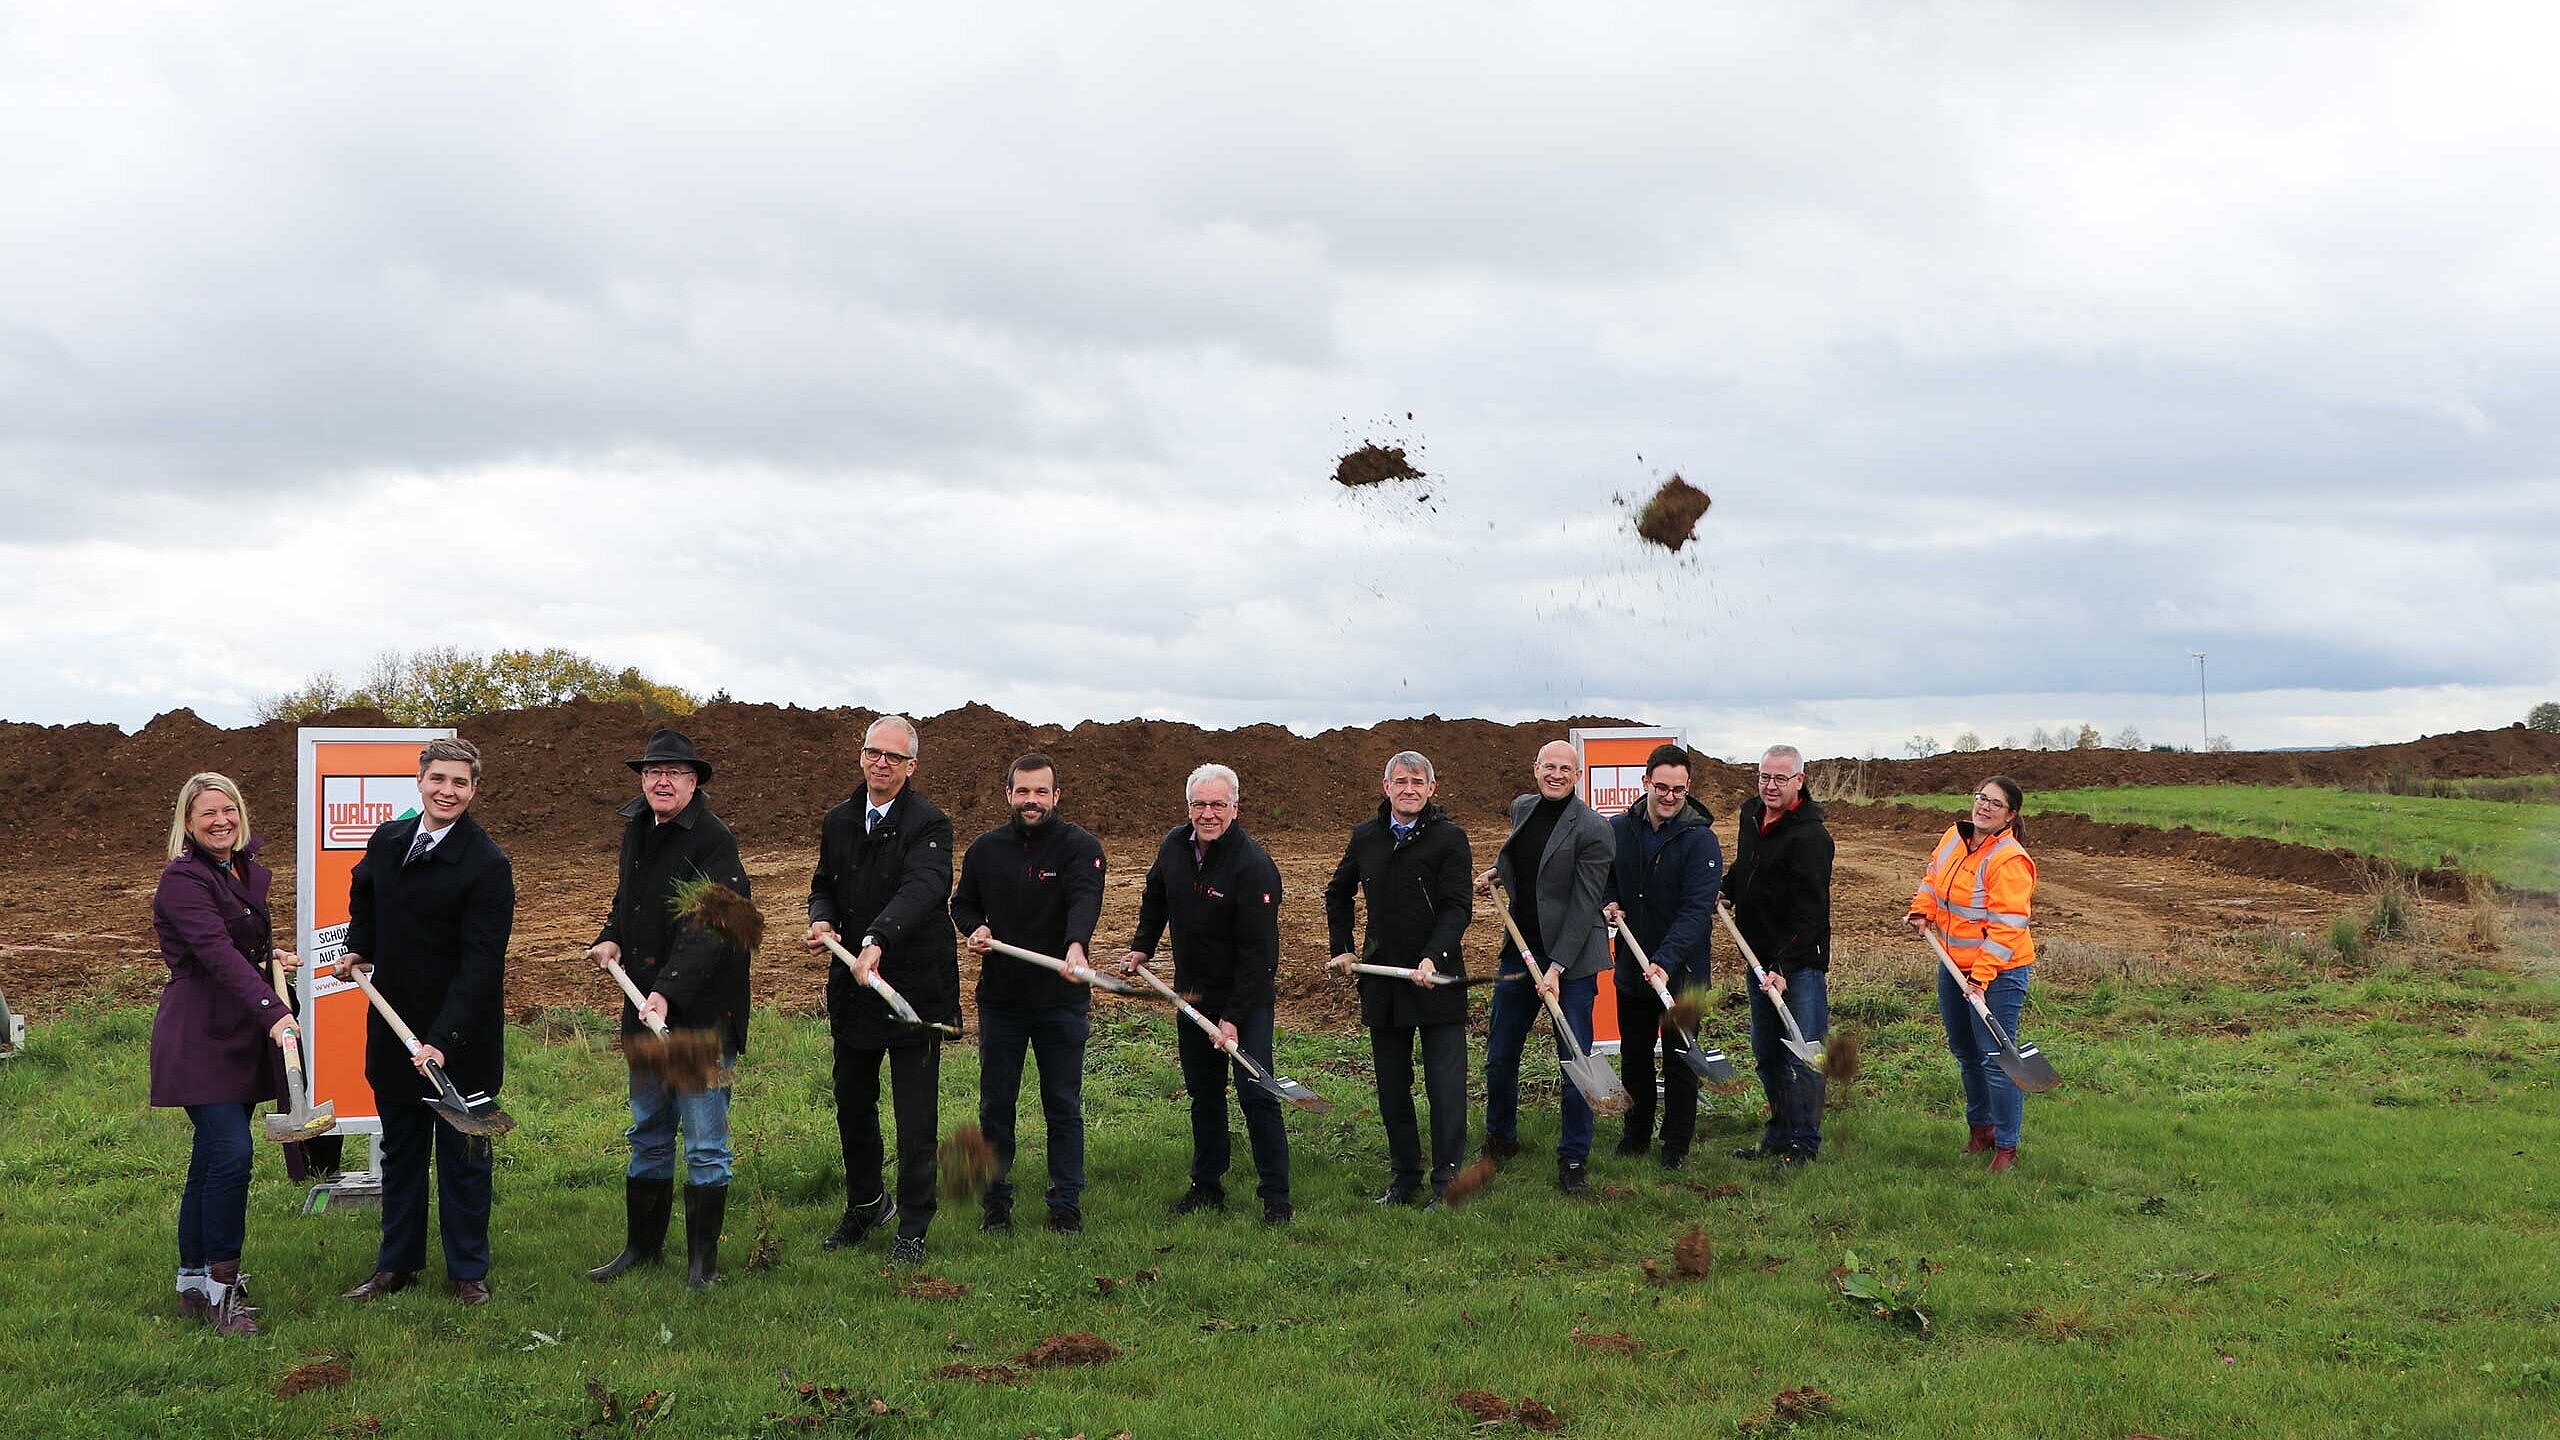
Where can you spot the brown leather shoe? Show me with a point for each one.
(471, 1292)
(1981, 1141)
(381, 1283)
(2004, 1157)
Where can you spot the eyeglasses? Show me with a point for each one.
(1213, 804)
(665, 772)
(869, 754)
(1996, 802)
(1668, 789)
(1768, 779)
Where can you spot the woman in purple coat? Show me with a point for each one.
(213, 1044)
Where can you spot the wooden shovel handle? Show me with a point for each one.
(363, 976)
(1192, 1011)
(639, 1002)
(1644, 962)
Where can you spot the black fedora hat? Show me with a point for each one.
(670, 747)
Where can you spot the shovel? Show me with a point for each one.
(899, 1009)
(1795, 1042)
(1279, 1087)
(1094, 978)
(1407, 972)
(688, 1062)
(2027, 1068)
(1707, 1064)
(301, 1120)
(471, 1114)
(1589, 1073)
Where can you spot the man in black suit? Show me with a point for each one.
(884, 874)
(431, 906)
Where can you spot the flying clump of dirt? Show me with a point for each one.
(1373, 464)
(1670, 519)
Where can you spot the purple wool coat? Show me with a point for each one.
(209, 1042)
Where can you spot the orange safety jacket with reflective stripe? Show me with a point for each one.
(1983, 897)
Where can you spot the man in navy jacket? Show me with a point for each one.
(1663, 888)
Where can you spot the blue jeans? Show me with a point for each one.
(1795, 1089)
(213, 1213)
(658, 1112)
(1056, 1038)
(1990, 1097)
(1516, 1007)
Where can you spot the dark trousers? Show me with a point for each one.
(213, 1213)
(1204, 1079)
(1795, 1089)
(1640, 1017)
(1444, 1084)
(410, 1132)
(1055, 1038)
(915, 1072)
(1516, 1007)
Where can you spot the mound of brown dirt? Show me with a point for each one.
(1670, 518)
(1373, 464)
(1483, 1406)
(932, 1287)
(982, 1374)
(1076, 1347)
(323, 1374)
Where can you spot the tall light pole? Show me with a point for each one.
(2204, 712)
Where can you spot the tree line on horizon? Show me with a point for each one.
(443, 684)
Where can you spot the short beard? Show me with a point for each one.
(1028, 822)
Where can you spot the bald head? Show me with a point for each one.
(1558, 769)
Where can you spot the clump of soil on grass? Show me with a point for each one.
(1800, 1404)
(1076, 1347)
(1374, 464)
(968, 1164)
(1694, 1254)
(1536, 1415)
(1484, 1406)
(932, 1287)
(326, 1373)
(1620, 1343)
(1670, 518)
(982, 1374)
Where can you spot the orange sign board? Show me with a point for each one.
(1613, 779)
(350, 783)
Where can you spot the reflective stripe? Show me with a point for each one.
(1959, 942)
(2015, 922)
(1994, 947)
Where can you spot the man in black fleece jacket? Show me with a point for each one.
(1034, 882)
(1221, 895)
(1781, 892)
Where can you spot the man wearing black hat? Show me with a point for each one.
(884, 875)
(694, 978)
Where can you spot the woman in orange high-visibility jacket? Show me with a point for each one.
(1980, 892)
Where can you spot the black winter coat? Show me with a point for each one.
(702, 974)
(1781, 887)
(893, 885)
(1670, 900)
(1224, 910)
(1419, 901)
(437, 934)
(1038, 889)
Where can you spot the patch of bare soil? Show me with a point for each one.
(327, 1373)
(1076, 1347)
(932, 1287)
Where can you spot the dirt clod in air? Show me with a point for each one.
(326, 1373)
(1840, 1056)
(1475, 1177)
(1694, 1254)
(968, 1164)
(932, 1287)
(1485, 1406)
(1076, 1347)
(1670, 518)
(1375, 464)
(982, 1374)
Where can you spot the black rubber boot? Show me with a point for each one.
(705, 1206)
(644, 1227)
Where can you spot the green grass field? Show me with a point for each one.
(2322, 1205)
(2515, 844)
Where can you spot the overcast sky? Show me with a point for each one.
(972, 355)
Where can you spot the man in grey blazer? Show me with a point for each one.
(1555, 869)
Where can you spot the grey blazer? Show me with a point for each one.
(1573, 880)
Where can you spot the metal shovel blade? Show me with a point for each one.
(475, 1114)
(2029, 1070)
(1297, 1094)
(1598, 1083)
(1706, 1062)
(306, 1124)
(1808, 1053)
